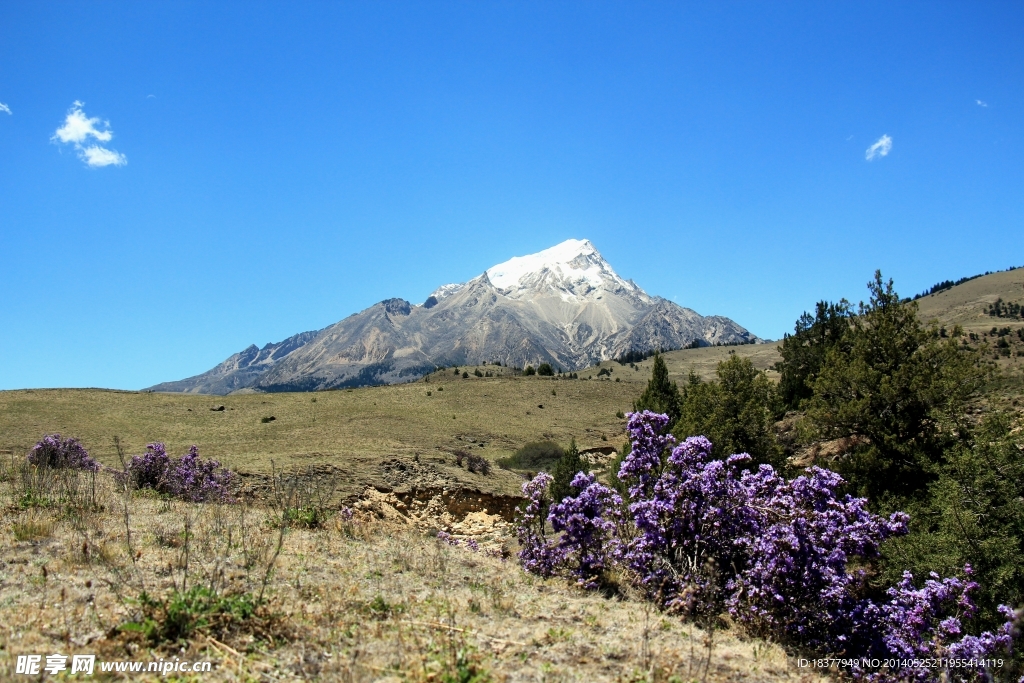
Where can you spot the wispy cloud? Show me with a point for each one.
(4, 108)
(880, 149)
(980, 103)
(77, 130)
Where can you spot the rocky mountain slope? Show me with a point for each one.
(564, 306)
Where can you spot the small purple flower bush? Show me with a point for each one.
(189, 477)
(785, 558)
(57, 453)
(447, 539)
(471, 544)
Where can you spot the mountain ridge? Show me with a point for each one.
(564, 306)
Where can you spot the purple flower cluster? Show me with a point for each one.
(446, 538)
(57, 453)
(535, 553)
(189, 477)
(587, 523)
(784, 557)
(926, 622)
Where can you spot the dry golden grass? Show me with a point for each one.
(353, 601)
(353, 430)
(966, 304)
(357, 430)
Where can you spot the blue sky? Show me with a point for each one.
(271, 168)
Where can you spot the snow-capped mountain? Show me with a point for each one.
(572, 270)
(565, 306)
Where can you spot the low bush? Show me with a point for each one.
(533, 457)
(474, 462)
(184, 613)
(565, 471)
(57, 453)
(188, 477)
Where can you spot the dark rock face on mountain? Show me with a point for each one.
(564, 306)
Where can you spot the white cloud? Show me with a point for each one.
(4, 108)
(980, 103)
(879, 149)
(78, 128)
(97, 157)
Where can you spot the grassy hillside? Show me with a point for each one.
(967, 304)
(354, 430)
(358, 428)
(999, 339)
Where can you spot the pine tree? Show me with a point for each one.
(568, 466)
(899, 385)
(661, 395)
(803, 353)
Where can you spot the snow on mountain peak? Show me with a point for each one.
(573, 267)
(446, 290)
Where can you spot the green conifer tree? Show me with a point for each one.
(661, 395)
(568, 466)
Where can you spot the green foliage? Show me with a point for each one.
(529, 371)
(533, 457)
(974, 514)
(565, 471)
(545, 370)
(478, 373)
(380, 608)
(306, 517)
(899, 385)
(803, 353)
(183, 613)
(736, 413)
(661, 395)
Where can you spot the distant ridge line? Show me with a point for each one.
(949, 284)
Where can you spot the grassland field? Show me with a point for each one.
(355, 429)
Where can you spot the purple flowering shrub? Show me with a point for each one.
(587, 522)
(926, 622)
(149, 471)
(189, 477)
(795, 583)
(57, 453)
(471, 544)
(536, 554)
(588, 544)
(786, 558)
